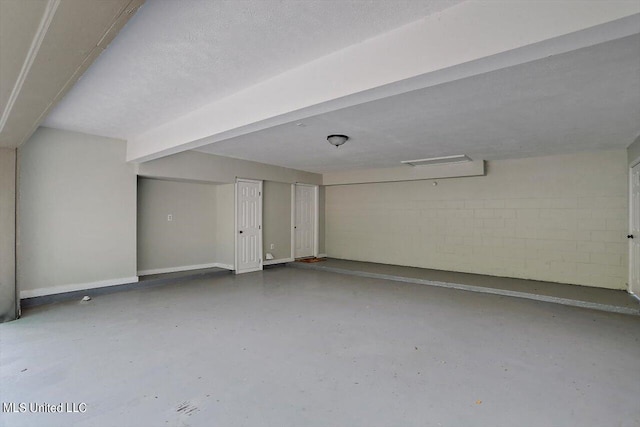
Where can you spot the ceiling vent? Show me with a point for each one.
(460, 158)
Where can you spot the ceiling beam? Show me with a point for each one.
(50, 8)
(465, 40)
(65, 40)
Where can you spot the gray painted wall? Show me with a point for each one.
(225, 224)
(196, 166)
(76, 213)
(189, 239)
(276, 222)
(8, 298)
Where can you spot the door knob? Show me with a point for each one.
(629, 236)
(240, 231)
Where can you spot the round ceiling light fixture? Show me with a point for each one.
(337, 140)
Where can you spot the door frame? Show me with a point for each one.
(316, 219)
(235, 224)
(632, 165)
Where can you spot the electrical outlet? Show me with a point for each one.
(169, 217)
(273, 246)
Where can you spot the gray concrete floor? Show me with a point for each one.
(290, 347)
(580, 296)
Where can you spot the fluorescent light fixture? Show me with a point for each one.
(459, 158)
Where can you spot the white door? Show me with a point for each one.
(634, 236)
(248, 226)
(305, 218)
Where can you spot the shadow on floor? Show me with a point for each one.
(580, 296)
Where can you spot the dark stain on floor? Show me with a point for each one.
(187, 408)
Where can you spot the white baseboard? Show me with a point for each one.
(181, 268)
(225, 266)
(278, 261)
(322, 255)
(59, 289)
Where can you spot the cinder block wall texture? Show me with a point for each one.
(560, 219)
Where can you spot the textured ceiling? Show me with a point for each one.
(588, 99)
(175, 56)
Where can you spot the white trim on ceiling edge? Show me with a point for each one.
(60, 289)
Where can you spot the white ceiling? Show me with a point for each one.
(588, 99)
(175, 56)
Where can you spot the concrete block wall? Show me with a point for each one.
(559, 219)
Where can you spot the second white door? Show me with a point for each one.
(249, 226)
(305, 219)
